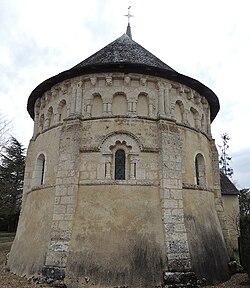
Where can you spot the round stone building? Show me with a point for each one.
(122, 185)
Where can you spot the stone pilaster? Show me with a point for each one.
(65, 198)
(177, 249)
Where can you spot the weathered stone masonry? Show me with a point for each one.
(163, 213)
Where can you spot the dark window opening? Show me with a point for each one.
(120, 165)
(197, 171)
(42, 174)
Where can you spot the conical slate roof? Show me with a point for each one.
(123, 50)
(127, 56)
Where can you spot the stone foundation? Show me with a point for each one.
(181, 279)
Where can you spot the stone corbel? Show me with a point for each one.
(93, 80)
(64, 88)
(127, 80)
(48, 95)
(52, 94)
(190, 95)
(109, 80)
(197, 99)
(43, 102)
(143, 81)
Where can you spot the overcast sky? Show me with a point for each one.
(208, 40)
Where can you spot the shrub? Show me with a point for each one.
(245, 243)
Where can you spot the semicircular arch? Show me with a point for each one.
(122, 137)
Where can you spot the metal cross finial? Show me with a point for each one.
(129, 15)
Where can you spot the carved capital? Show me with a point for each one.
(160, 85)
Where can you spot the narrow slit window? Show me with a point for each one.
(120, 165)
(42, 172)
(197, 171)
(200, 173)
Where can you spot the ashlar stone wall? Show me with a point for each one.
(163, 127)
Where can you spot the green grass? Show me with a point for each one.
(6, 239)
(6, 236)
(3, 233)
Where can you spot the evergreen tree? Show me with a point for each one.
(244, 201)
(12, 165)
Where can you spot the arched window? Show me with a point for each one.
(50, 117)
(62, 110)
(39, 171)
(200, 173)
(120, 161)
(119, 104)
(97, 106)
(142, 105)
(178, 111)
(41, 123)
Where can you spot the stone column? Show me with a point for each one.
(208, 120)
(185, 116)
(72, 110)
(65, 200)
(105, 108)
(132, 107)
(108, 159)
(197, 120)
(151, 110)
(36, 118)
(88, 109)
(47, 121)
(78, 110)
(161, 99)
(177, 249)
(167, 100)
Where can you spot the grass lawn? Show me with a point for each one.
(6, 236)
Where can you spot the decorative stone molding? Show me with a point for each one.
(121, 136)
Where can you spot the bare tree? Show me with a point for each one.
(224, 160)
(5, 126)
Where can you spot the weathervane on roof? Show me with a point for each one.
(128, 27)
(129, 15)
